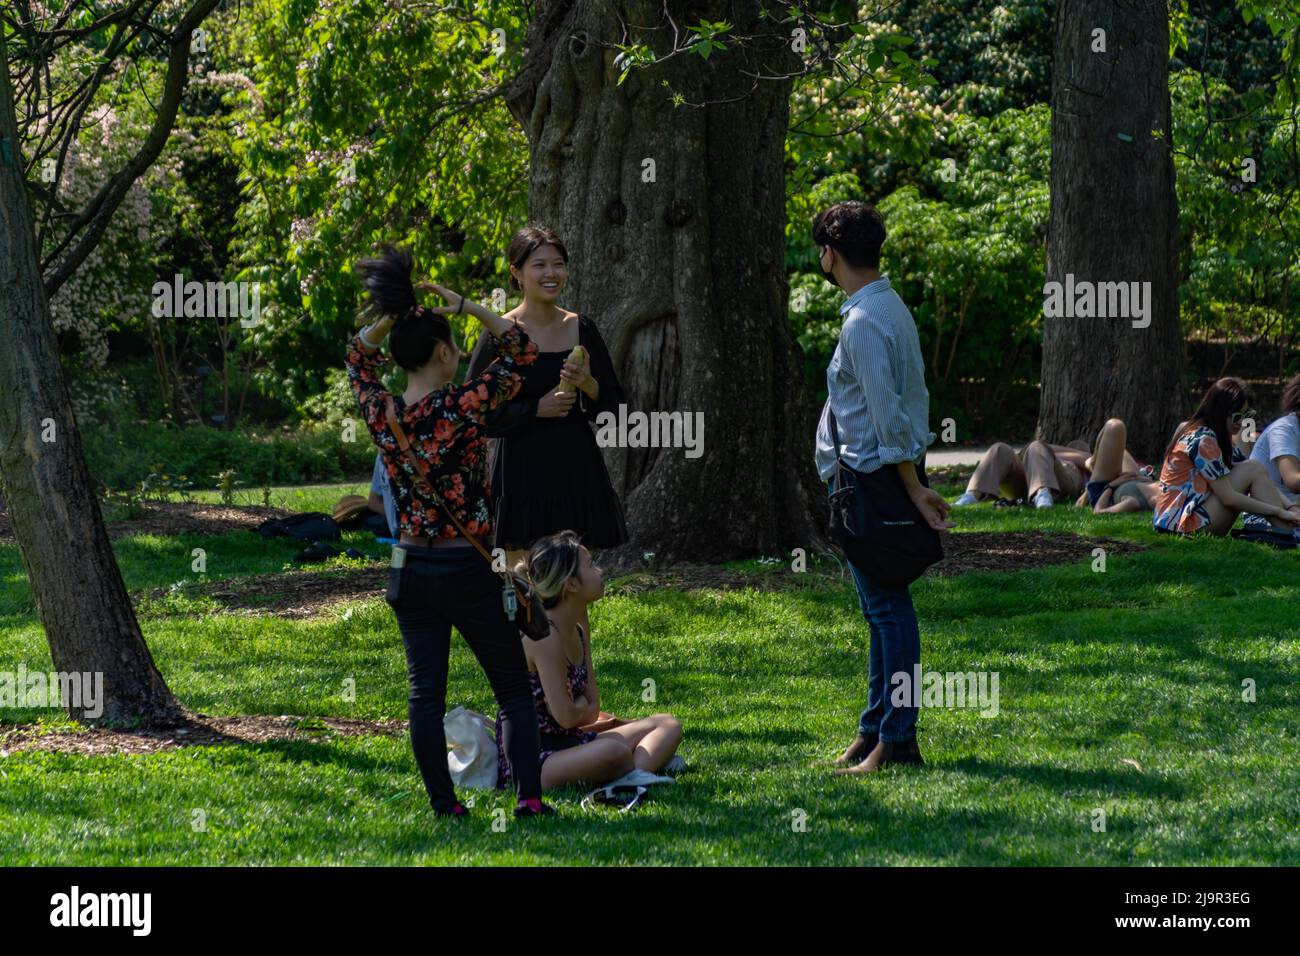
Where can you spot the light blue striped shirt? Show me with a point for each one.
(875, 384)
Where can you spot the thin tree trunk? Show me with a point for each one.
(1114, 218)
(684, 275)
(80, 598)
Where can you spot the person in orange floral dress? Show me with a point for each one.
(1201, 489)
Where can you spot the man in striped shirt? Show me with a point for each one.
(876, 391)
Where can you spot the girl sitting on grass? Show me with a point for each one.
(1204, 489)
(579, 741)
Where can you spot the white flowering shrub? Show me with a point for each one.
(111, 289)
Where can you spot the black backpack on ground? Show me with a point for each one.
(308, 526)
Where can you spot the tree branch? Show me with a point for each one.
(95, 217)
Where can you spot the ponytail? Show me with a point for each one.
(416, 330)
(551, 561)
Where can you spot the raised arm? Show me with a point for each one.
(511, 416)
(364, 363)
(499, 381)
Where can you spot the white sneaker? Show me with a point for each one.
(966, 499)
(675, 766)
(639, 778)
(1043, 498)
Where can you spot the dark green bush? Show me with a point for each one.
(121, 456)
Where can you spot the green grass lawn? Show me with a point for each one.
(1142, 664)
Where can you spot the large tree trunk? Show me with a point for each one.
(1114, 218)
(80, 598)
(684, 275)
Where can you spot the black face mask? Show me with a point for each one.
(826, 274)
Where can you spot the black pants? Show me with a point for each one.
(442, 588)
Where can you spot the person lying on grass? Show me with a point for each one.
(1199, 489)
(1118, 481)
(579, 741)
(1040, 473)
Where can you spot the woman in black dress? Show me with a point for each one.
(547, 471)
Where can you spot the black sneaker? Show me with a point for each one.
(533, 808)
(457, 809)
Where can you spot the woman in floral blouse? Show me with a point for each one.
(438, 580)
(1199, 489)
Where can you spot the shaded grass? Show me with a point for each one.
(1144, 663)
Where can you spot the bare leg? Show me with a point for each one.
(997, 469)
(600, 761)
(1249, 478)
(653, 740)
(1108, 453)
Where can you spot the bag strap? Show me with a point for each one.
(840, 466)
(404, 445)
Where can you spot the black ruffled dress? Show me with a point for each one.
(547, 474)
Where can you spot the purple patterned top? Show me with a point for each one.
(576, 683)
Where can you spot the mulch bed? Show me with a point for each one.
(304, 594)
(178, 517)
(963, 554)
(198, 731)
(1021, 550)
(290, 594)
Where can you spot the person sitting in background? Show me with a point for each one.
(1119, 482)
(1039, 472)
(1278, 447)
(1201, 489)
(381, 496)
(580, 742)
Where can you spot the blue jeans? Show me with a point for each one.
(895, 649)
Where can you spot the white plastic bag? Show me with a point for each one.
(471, 749)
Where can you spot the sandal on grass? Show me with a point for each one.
(624, 796)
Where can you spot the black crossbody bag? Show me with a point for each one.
(875, 521)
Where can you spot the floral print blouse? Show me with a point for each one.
(447, 429)
(1192, 464)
